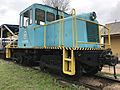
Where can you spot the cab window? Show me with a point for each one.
(27, 18)
(39, 17)
(50, 16)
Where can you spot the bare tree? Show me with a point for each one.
(61, 4)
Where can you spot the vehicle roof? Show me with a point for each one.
(42, 6)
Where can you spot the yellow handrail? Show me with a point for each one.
(92, 22)
(108, 28)
(73, 25)
(74, 28)
(59, 34)
(99, 35)
(45, 36)
(62, 28)
(92, 43)
(109, 42)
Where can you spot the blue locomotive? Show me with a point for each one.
(69, 43)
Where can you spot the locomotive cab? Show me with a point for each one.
(35, 16)
(39, 14)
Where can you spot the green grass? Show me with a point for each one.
(15, 77)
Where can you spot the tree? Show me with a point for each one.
(61, 4)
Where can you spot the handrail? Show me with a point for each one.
(73, 25)
(12, 42)
(9, 30)
(92, 43)
(48, 23)
(99, 35)
(45, 36)
(74, 30)
(109, 42)
(108, 29)
(62, 25)
(92, 22)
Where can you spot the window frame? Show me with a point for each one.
(21, 20)
(31, 16)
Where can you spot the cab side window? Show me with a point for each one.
(50, 16)
(27, 17)
(39, 16)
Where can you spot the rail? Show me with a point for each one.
(102, 81)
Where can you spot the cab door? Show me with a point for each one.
(26, 33)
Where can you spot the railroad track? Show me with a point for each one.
(93, 82)
(77, 83)
(96, 82)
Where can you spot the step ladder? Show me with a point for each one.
(68, 62)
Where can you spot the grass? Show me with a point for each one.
(15, 77)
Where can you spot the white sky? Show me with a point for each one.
(107, 10)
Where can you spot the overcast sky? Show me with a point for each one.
(107, 10)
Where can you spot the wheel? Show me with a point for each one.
(42, 67)
(78, 69)
(26, 60)
(17, 57)
(91, 70)
(42, 63)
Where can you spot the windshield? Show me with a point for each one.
(26, 18)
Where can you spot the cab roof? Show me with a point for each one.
(43, 6)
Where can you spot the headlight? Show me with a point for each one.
(93, 16)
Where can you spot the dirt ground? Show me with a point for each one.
(112, 87)
(110, 70)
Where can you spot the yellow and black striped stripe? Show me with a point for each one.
(68, 48)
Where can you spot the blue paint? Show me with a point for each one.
(33, 35)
